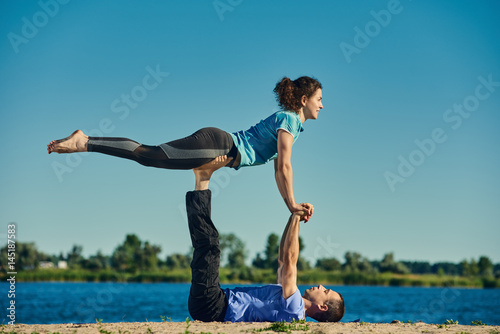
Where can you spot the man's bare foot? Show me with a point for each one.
(76, 142)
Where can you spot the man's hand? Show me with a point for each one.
(204, 172)
(220, 161)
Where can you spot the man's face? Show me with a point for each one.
(320, 295)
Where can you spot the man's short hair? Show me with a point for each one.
(335, 312)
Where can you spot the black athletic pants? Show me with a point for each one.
(187, 153)
(207, 301)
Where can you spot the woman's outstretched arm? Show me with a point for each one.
(283, 171)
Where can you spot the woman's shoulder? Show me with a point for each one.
(286, 114)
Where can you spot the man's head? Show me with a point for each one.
(326, 305)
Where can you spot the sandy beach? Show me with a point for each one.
(215, 327)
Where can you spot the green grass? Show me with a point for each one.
(286, 327)
(451, 322)
(102, 330)
(188, 323)
(478, 323)
(165, 319)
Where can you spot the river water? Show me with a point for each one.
(49, 303)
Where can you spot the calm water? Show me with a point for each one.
(46, 303)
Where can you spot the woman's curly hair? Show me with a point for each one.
(289, 93)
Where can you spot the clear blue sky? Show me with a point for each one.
(394, 74)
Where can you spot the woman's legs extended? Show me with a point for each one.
(187, 153)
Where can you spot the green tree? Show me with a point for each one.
(74, 257)
(132, 255)
(272, 251)
(469, 269)
(47, 257)
(302, 264)
(235, 249)
(178, 261)
(328, 264)
(365, 266)
(418, 267)
(485, 266)
(124, 256)
(259, 262)
(446, 268)
(389, 265)
(271, 254)
(149, 257)
(464, 268)
(354, 262)
(496, 270)
(97, 262)
(26, 256)
(473, 268)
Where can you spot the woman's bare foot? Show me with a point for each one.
(76, 142)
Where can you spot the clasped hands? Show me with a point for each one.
(304, 211)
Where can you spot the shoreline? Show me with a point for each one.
(264, 283)
(245, 327)
(399, 282)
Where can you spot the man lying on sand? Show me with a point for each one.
(275, 302)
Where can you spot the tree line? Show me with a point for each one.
(135, 256)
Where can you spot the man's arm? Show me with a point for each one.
(290, 256)
(303, 216)
(280, 252)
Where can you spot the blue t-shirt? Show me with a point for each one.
(265, 303)
(259, 144)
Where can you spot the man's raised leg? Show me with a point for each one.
(207, 301)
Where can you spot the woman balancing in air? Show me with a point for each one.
(270, 139)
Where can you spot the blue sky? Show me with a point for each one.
(403, 158)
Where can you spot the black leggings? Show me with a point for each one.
(187, 153)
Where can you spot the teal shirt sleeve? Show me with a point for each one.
(290, 122)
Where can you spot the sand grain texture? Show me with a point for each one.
(230, 328)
